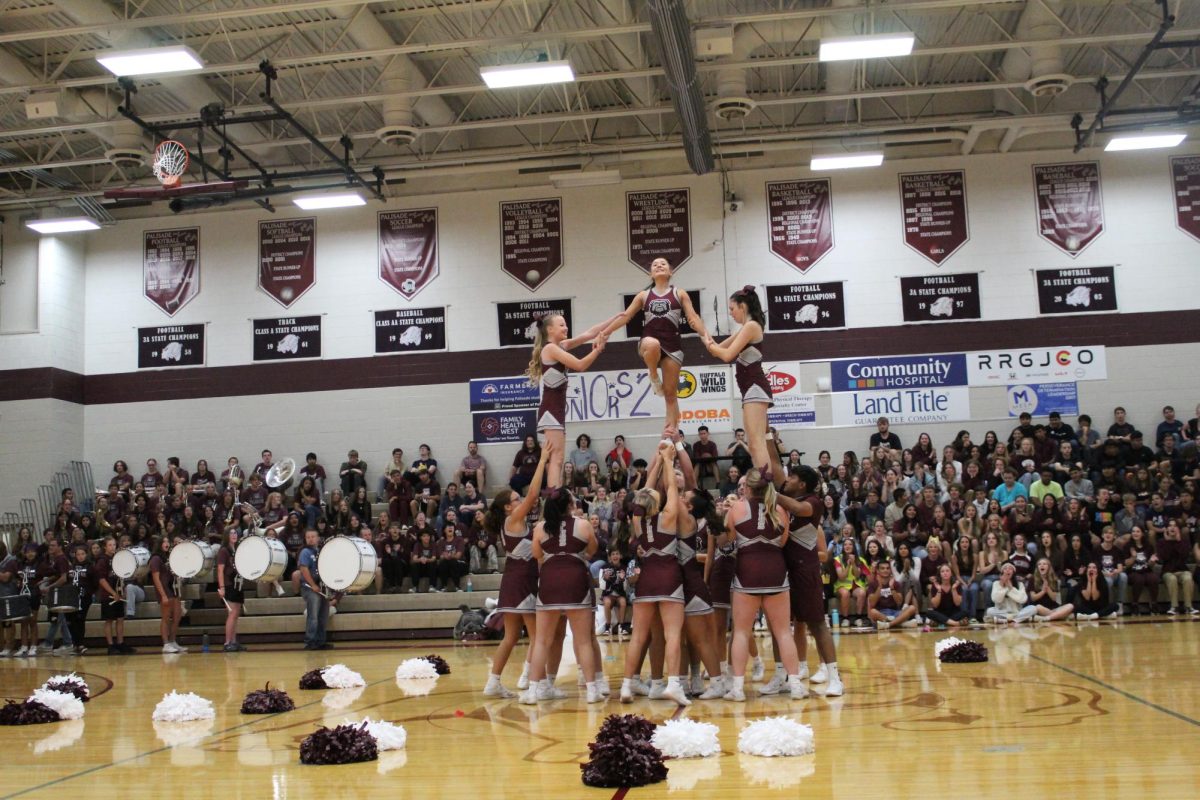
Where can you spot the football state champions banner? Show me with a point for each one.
(793, 408)
(1070, 208)
(940, 298)
(287, 338)
(287, 258)
(935, 213)
(1065, 364)
(1083, 290)
(1185, 179)
(634, 329)
(801, 221)
(659, 225)
(408, 249)
(517, 322)
(1042, 399)
(531, 247)
(410, 330)
(171, 268)
(806, 306)
(171, 346)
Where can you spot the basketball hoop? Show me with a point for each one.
(170, 162)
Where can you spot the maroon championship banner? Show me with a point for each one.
(531, 248)
(940, 298)
(1069, 206)
(517, 322)
(935, 213)
(171, 268)
(1076, 290)
(806, 306)
(408, 249)
(1185, 176)
(634, 329)
(286, 258)
(659, 226)
(801, 216)
(171, 346)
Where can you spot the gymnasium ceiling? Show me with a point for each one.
(411, 67)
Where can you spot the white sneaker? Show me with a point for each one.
(626, 693)
(602, 686)
(882, 625)
(6, 653)
(61, 650)
(550, 692)
(804, 672)
(909, 623)
(834, 687)
(21, 653)
(716, 689)
(496, 689)
(797, 687)
(776, 685)
(593, 694)
(758, 672)
(32, 651)
(675, 692)
(528, 697)
(169, 648)
(657, 687)
(640, 687)
(1087, 617)
(179, 648)
(820, 676)
(735, 695)
(523, 681)
(1193, 611)
(696, 685)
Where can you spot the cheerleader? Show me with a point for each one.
(743, 347)
(168, 596)
(563, 545)
(548, 367)
(229, 586)
(664, 310)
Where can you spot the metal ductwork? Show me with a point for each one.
(1040, 68)
(733, 100)
(673, 36)
(126, 145)
(839, 75)
(398, 128)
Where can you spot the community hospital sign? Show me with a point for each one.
(905, 389)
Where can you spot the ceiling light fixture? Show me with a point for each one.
(599, 177)
(1144, 141)
(63, 225)
(532, 73)
(846, 162)
(874, 45)
(315, 202)
(150, 61)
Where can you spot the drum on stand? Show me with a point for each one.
(63, 598)
(15, 607)
(193, 561)
(347, 563)
(258, 558)
(131, 563)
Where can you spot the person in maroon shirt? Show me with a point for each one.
(1111, 558)
(112, 602)
(704, 458)
(168, 596)
(888, 605)
(229, 586)
(423, 561)
(177, 478)
(450, 564)
(79, 575)
(255, 493)
(263, 467)
(397, 548)
(1139, 563)
(52, 572)
(1172, 554)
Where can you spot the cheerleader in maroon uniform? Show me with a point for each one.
(548, 367)
(664, 308)
(229, 586)
(744, 348)
(759, 527)
(168, 596)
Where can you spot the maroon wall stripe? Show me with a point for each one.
(1112, 330)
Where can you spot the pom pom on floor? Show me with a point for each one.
(64, 735)
(686, 738)
(345, 744)
(622, 754)
(313, 679)
(176, 707)
(953, 650)
(333, 676)
(29, 712)
(776, 736)
(439, 664)
(267, 701)
(69, 684)
(388, 736)
(416, 669)
(67, 706)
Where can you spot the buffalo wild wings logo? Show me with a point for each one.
(687, 384)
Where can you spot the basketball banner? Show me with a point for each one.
(287, 338)
(1185, 177)
(935, 213)
(286, 258)
(517, 322)
(1076, 291)
(171, 268)
(1069, 206)
(940, 298)
(801, 221)
(634, 329)
(806, 306)
(531, 248)
(659, 225)
(408, 249)
(410, 330)
(171, 346)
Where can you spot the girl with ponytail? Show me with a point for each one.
(743, 347)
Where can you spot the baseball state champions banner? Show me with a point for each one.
(517, 322)
(1185, 179)
(408, 249)
(410, 330)
(806, 306)
(171, 268)
(1083, 290)
(171, 346)
(940, 298)
(801, 221)
(1069, 206)
(531, 246)
(287, 258)
(659, 226)
(935, 213)
(287, 338)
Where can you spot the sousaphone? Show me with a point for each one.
(281, 472)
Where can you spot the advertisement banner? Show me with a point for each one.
(612, 395)
(410, 330)
(713, 413)
(940, 298)
(902, 406)
(171, 346)
(171, 268)
(1085, 290)
(287, 338)
(516, 323)
(1036, 365)
(1040, 399)
(531, 246)
(1185, 177)
(1070, 208)
(898, 372)
(801, 221)
(659, 225)
(634, 329)
(287, 258)
(503, 394)
(806, 306)
(493, 427)
(408, 249)
(792, 408)
(935, 213)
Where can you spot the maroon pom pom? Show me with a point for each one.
(345, 744)
(267, 701)
(439, 664)
(622, 754)
(968, 652)
(313, 680)
(30, 712)
(75, 687)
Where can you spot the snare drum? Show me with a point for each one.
(131, 563)
(193, 561)
(258, 558)
(15, 607)
(347, 564)
(63, 598)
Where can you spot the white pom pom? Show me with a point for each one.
(686, 738)
(392, 759)
(775, 773)
(415, 687)
(176, 707)
(683, 775)
(942, 644)
(67, 706)
(776, 736)
(416, 668)
(71, 678)
(64, 735)
(175, 734)
(339, 676)
(387, 735)
(338, 699)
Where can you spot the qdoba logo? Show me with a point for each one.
(780, 381)
(705, 414)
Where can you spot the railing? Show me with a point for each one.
(37, 513)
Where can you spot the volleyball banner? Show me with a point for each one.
(531, 247)
(801, 221)
(171, 268)
(408, 249)
(659, 225)
(935, 213)
(1069, 206)
(287, 258)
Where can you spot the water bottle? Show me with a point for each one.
(470, 583)
(834, 618)
(204, 643)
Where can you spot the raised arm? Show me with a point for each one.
(728, 350)
(623, 318)
(685, 463)
(591, 333)
(535, 488)
(777, 476)
(670, 505)
(562, 356)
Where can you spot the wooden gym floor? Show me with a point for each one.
(1100, 710)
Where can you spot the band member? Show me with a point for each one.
(316, 603)
(548, 366)
(27, 583)
(111, 599)
(52, 573)
(664, 308)
(79, 575)
(229, 586)
(168, 596)
(743, 347)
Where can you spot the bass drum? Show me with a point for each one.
(193, 561)
(258, 558)
(131, 563)
(347, 564)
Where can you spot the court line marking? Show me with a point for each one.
(1127, 695)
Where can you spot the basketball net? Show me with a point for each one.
(170, 162)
